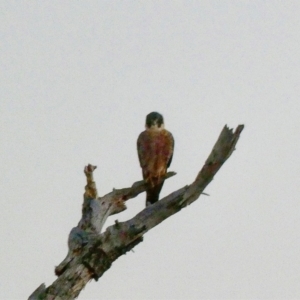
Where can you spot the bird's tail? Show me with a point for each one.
(152, 193)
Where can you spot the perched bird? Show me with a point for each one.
(155, 148)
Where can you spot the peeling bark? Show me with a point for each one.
(91, 252)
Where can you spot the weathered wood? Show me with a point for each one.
(91, 252)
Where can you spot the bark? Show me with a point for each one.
(92, 252)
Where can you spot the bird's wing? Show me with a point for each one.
(141, 148)
(172, 144)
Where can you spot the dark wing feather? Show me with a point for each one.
(173, 144)
(140, 149)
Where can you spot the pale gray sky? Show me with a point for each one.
(77, 79)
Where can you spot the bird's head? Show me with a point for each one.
(154, 120)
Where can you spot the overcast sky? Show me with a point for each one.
(77, 80)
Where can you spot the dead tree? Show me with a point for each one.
(92, 252)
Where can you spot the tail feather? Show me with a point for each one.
(152, 193)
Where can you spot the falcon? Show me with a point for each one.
(155, 148)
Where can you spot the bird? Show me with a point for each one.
(155, 147)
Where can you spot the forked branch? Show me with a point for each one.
(92, 252)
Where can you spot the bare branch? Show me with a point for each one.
(91, 252)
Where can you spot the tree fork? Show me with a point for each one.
(91, 253)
